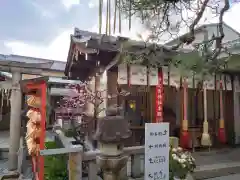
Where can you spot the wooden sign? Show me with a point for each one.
(138, 75)
(156, 151)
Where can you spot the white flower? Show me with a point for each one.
(179, 149)
(174, 156)
(183, 165)
(174, 150)
(183, 156)
(182, 161)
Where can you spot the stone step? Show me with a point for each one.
(4, 153)
(216, 170)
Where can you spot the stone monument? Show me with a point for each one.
(111, 132)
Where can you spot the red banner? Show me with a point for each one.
(159, 98)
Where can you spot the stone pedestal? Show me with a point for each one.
(112, 166)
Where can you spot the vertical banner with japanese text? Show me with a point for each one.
(159, 97)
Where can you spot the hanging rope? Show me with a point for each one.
(130, 15)
(115, 17)
(119, 18)
(100, 16)
(107, 16)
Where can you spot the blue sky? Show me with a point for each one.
(42, 28)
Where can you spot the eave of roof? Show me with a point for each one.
(26, 61)
(94, 43)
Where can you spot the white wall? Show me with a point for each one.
(230, 35)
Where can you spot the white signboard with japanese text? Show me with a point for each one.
(228, 82)
(153, 76)
(210, 82)
(165, 75)
(122, 74)
(138, 75)
(174, 78)
(156, 151)
(236, 84)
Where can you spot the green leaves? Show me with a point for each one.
(55, 165)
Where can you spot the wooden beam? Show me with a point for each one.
(61, 92)
(111, 64)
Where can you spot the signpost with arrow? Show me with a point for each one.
(157, 151)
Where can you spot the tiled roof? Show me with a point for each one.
(50, 64)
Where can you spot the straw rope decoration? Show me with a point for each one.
(33, 126)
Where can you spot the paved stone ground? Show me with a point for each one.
(215, 159)
(230, 177)
(4, 139)
(226, 155)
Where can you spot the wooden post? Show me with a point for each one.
(184, 139)
(205, 140)
(221, 130)
(43, 89)
(15, 121)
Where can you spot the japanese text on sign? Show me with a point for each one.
(157, 151)
(159, 98)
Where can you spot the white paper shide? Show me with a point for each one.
(156, 151)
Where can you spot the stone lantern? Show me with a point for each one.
(111, 132)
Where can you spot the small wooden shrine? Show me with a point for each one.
(155, 95)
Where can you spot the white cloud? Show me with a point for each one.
(44, 12)
(69, 3)
(94, 3)
(57, 50)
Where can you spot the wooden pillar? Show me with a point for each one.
(236, 102)
(184, 138)
(205, 140)
(101, 86)
(90, 111)
(221, 129)
(178, 107)
(15, 121)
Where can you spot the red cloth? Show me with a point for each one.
(222, 135)
(184, 139)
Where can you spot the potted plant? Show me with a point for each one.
(181, 164)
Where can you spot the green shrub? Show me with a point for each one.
(55, 165)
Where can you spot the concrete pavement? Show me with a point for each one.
(230, 177)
